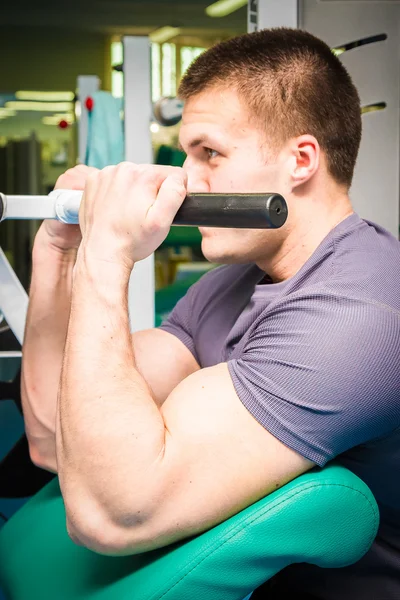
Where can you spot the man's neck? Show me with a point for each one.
(304, 237)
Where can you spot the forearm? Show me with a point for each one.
(45, 334)
(110, 430)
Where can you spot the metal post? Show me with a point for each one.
(13, 298)
(138, 149)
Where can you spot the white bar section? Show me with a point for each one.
(138, 149)
(67, 204)
(87, 85)
(10, 354)
(28, 207)
(13, 298)
(264, 14)
(59, 204)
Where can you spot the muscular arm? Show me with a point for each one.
(161, 358)
(135, 477)
(45, 333)
(171, 472)
(53, 260)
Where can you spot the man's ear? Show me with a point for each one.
(306, 153)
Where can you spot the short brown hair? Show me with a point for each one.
(294, 84)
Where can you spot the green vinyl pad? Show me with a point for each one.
(326, 517)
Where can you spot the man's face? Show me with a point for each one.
(227, 153)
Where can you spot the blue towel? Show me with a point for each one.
(105, 145)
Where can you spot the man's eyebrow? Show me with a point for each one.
(196, 142)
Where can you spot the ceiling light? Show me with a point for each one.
(222, 8)
(45, 96)
(6, 112)
(159, 36)
(40, 106)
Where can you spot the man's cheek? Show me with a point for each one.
(227, 180)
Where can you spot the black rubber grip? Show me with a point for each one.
(237, 211)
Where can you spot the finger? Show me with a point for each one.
(169, 199)
(75, 178)
(90, 191)
(84, 169)
(148, 174)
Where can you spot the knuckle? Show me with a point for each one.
(92, 177)
(84, 171)
(179, 175)
(106, 170)
(126, 165)
(177, 184)
(128, 169)
(140, 169)
(143, 173)
(155, 225)
(147, 176)
(63, 180)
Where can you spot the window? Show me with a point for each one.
(168, 79)
(164, 67)
(188, 55)
(117, 77)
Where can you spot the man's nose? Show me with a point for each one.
(197, 182)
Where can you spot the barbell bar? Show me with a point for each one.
(242, 211)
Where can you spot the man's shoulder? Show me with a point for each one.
(366, 265)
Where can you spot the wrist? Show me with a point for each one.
(104, 280)
(104, 261)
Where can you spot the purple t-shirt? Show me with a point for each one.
(316, 360)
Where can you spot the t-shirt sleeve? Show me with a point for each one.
(178, 322)
(321, 374)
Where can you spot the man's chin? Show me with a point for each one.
(219, 249)
(220, 257)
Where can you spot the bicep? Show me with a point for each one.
(163, 361)
(218, 459)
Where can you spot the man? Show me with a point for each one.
(282, 360)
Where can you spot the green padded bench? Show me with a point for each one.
(327, 517)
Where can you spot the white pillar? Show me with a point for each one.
(265, 14)
(138, 149)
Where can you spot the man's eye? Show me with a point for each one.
(211, 153)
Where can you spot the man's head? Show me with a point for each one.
(271, 111)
